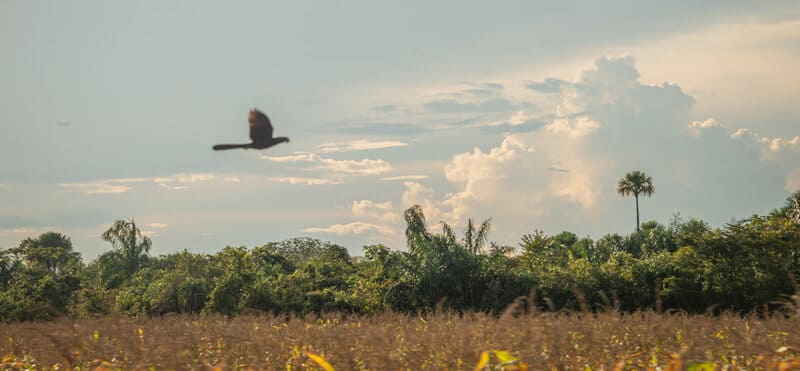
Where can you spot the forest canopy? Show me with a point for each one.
(685, 264)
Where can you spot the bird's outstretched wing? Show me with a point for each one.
(260, 127)
(221, 147)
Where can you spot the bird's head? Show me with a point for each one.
(251, 118)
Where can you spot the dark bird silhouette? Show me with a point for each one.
(260, 134)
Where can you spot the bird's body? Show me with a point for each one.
(260, 134)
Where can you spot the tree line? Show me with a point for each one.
(745, 265)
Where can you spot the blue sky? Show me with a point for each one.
(524, 112)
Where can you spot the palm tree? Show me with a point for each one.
(129, 241)
(417, 229)
(793, 206)
(417, 232)
(474, 238)
(636, 183)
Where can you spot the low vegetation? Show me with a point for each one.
(441, 340)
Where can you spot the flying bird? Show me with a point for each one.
(260, 133)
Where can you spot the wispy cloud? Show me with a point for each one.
(558, 169)
(23, 230)
(477, 89)
(455, 106)
(99, 187)
(180, 181)
(172, 187)
(20, 232)
(358, 145)
(184, 178)
(459, 106)
(406, 177)
(297, 157)
(158, 225)
(346, 167)
(357, 167)
(122, 185)
(304, 180)
(549, 85)
(384, 128)
(385, 108)
(351, 228)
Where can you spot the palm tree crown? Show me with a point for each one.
(474, 238)
(636, 183)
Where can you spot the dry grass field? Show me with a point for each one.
(392, 341)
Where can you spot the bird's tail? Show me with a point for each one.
(220, 147)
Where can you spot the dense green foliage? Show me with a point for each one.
(746, 265)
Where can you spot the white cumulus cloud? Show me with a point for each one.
(707, 123)
(380, 211)
(781, 149)
(573, 128)
(601, 126)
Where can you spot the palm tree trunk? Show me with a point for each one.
(637, 212)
